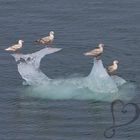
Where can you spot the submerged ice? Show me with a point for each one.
(97, 85)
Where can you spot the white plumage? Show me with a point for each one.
(46, 40)
(112, 68)
(15, 47)
(95, 52)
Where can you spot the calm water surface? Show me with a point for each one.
(79, 26)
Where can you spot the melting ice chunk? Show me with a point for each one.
(28, 66)
(97, 85)
(99, 80)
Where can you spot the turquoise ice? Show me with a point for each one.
(98, 85)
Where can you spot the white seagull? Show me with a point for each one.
(95, 52)
(15, 47)
(46, 40)
(112, 68)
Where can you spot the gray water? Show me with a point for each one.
(79, 26)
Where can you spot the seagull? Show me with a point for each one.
(95, 52)
(15, 47)
(46, 40)
(112, 68)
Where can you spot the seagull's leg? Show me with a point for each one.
(16, 52)
(98, 58)
(109, 73)
(114, 72)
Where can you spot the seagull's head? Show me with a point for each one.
(51, 32)
(115, 62)
(101, 45)
(20, 41)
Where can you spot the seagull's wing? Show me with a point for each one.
(44, 40)
(95, 51)
(110, 68)
(15, 46)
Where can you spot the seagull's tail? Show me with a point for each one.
(37, 41)
(8, 49)
(87, 53)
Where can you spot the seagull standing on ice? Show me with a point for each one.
(46, 40)
(95, 52)
(15, 47)
(112, 69)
